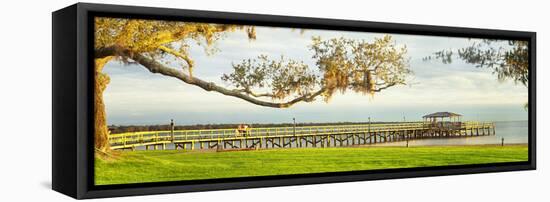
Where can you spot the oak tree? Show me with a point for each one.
(162, 47)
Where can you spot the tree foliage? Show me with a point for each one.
(158, 39)
(507, 62)
(341, 64)
(359, 65)
(284, 77)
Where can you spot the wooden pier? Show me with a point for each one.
(297, 137)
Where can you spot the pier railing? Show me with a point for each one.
(129, 139)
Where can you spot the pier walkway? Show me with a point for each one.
(297, 137)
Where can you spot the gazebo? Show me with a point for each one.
(443, 119)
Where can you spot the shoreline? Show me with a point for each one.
(445, 145)
(353, 146)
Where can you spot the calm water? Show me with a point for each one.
(511, 131)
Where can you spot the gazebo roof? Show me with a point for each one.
(441, 114)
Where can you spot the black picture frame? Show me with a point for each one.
(72, 98)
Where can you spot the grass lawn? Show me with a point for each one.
(171, 165)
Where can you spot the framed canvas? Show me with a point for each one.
(156, 100)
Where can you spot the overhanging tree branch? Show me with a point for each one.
(156, 67)
(249, 92)
(113, 50)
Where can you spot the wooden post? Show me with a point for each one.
(261, 142)
(370, 138)
(502, 142)
(290, 142)
(172, 130)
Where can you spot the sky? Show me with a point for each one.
(137, 97)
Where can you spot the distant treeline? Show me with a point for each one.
(135, 128)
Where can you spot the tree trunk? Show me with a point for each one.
(101, 136)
